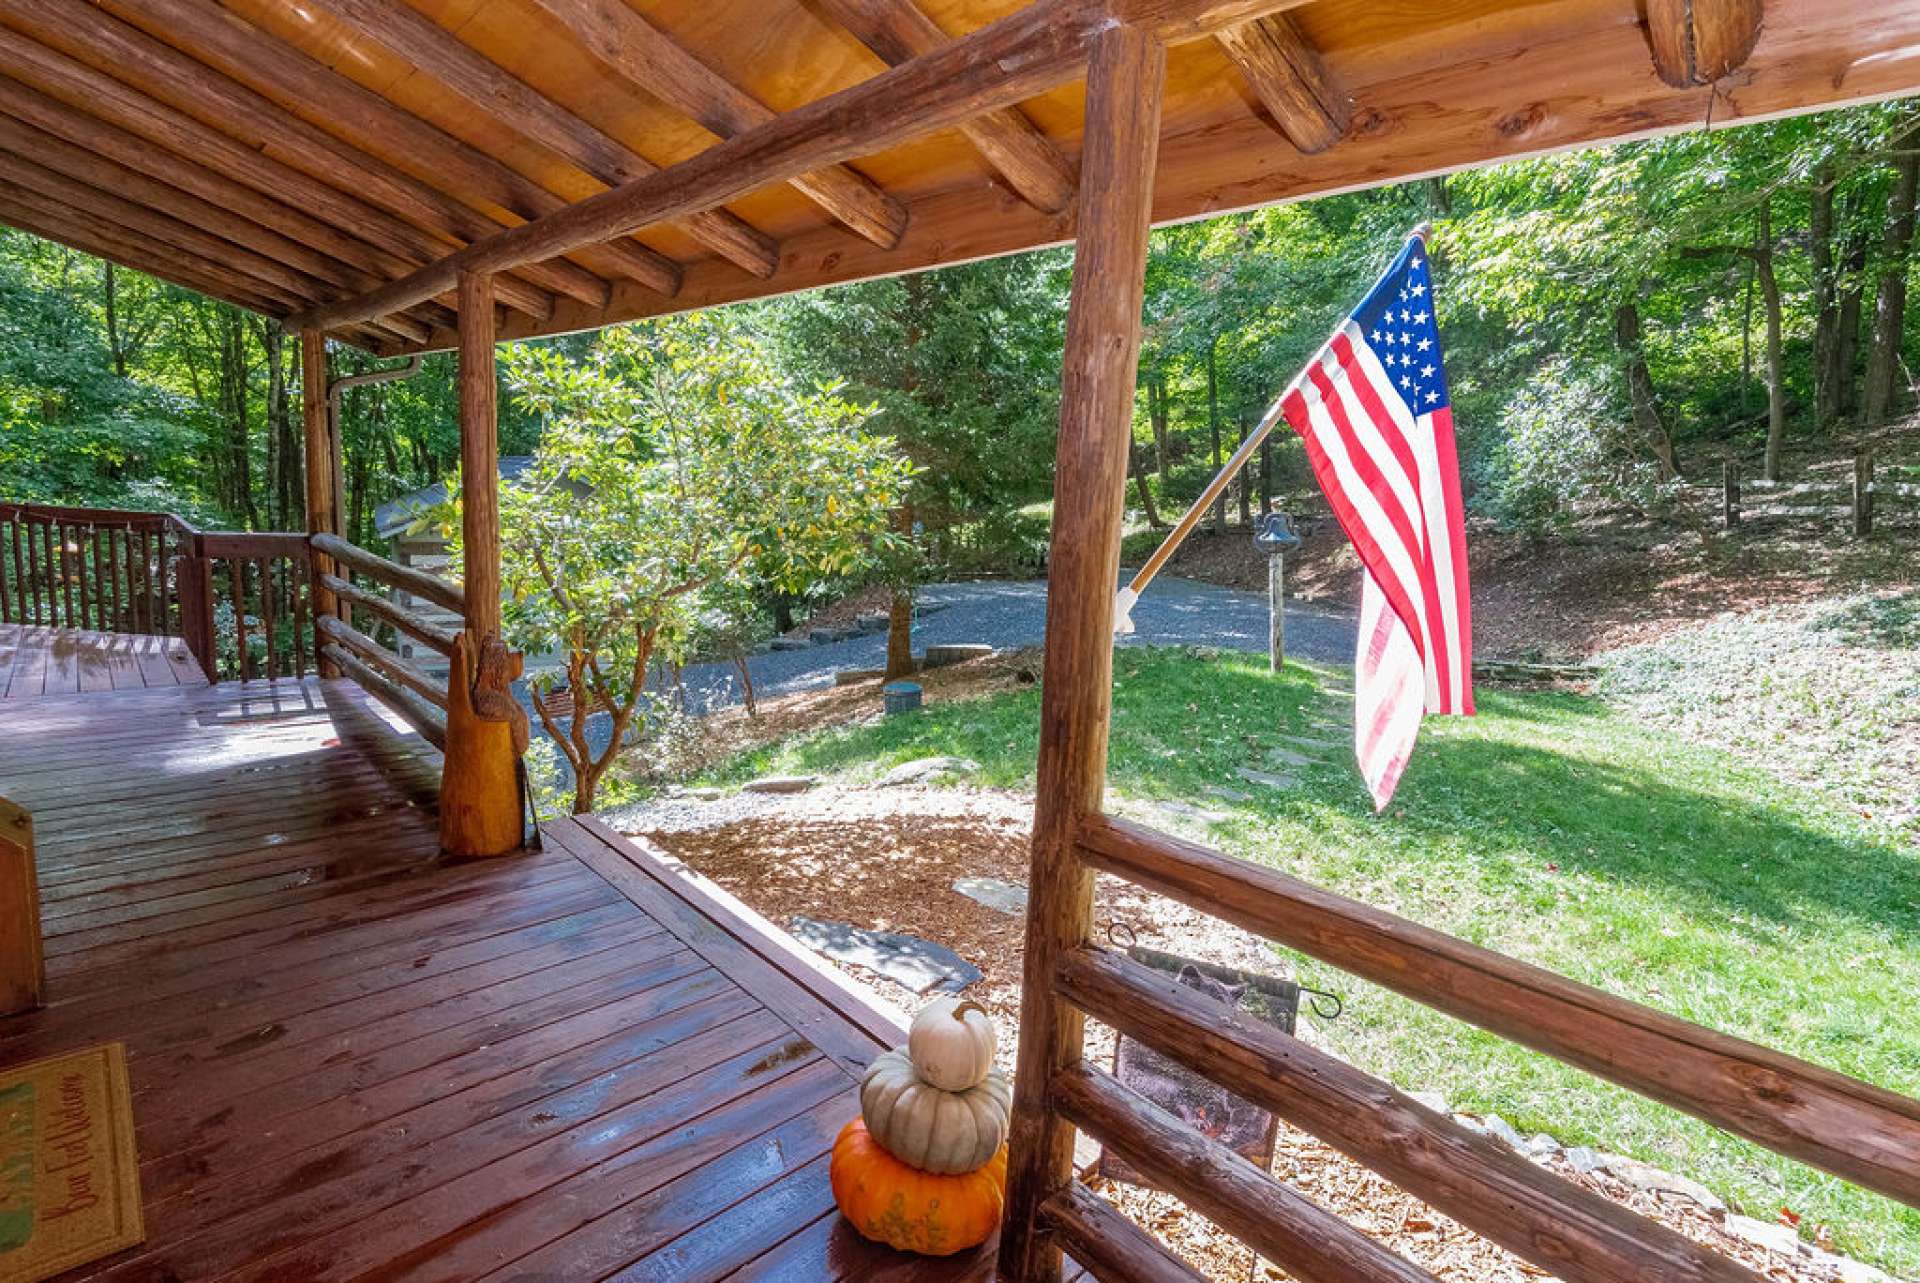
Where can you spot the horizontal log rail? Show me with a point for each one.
(411, 709)
(403, 671)
(391, 573)
(1866, 1134)
(416, 626)
(1310, 1243)
(1565, 1229)
(1113, 1248)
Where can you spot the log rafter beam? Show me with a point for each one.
(409, 218)
(517, 106)
(1027, 53)
(1287, 74)
(145, 205)
(650, 59)
(1696, 42)
(103, 239)
(899, 31)
(240, 50)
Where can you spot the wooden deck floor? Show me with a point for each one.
(36, 661)
(350, 1060)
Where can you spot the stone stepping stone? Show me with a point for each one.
(780, 784)
(1226, 794)
(1009, 898)
(1310, 743)
(1287, 757)
(1188, 811)
(1267, 779)
(922, 769)
(919, 965)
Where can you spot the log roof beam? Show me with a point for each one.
(409, 218)
(351, 111)
(899, 31)
(90, 233)
(1696, 42)
(651, 60)
(22, 143)
(1022, 55)
(1287, 74)
(515, 105)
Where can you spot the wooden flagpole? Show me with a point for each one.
(1123, 604)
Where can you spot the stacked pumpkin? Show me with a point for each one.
(924, 1167)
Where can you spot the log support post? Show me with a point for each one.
(1730, 499)
(23, 974)
(1125, 80)
(323, 467)
(480, 794)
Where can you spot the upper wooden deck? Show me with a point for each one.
(36, 661)
(351, 1059)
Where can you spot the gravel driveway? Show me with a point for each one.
(1008, 614)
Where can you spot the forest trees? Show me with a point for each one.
(674, 458)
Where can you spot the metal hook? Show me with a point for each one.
(1327, 1006)
(1114, 927)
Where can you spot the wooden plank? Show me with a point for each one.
(516, 106)
(1125, 82)
(900, 31)
(1293, 84)
(1310, 1243)
(1113, 1247)
(1867, 1134)
(1565, 1229)
(847, 1022)
(23, 970)
(650, 60)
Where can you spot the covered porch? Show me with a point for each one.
(349, 1057)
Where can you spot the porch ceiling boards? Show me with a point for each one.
(285, 156)
(352, 1059)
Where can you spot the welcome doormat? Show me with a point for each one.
(69, 1181)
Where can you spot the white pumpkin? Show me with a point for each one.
(945, 1132)
(951, 1043)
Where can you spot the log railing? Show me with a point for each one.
(418, 697)
(239, 600)
(1863, 1133)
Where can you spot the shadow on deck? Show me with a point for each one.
(350, 1058)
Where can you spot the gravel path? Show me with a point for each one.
(1006, 614)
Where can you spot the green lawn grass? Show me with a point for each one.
(1552, 828)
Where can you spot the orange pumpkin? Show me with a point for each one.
(909, 1209)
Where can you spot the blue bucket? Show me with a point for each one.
(901, 697)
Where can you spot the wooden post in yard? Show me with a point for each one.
(323, 513)
(480, 811)
(1125, 80)
(23, 973)
(1862, 493)
(1276, 611)
(1730, 506)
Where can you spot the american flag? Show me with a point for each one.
(1374, 413)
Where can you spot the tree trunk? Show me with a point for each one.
(110, 301)
(1826, 304)
(1213, 428)
(1646, 409)
(1890, 302)
(1746, 344)
(1776, 386)
(1266, 475)
(1846, 337)
(1157, 416)
(1144, 490)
